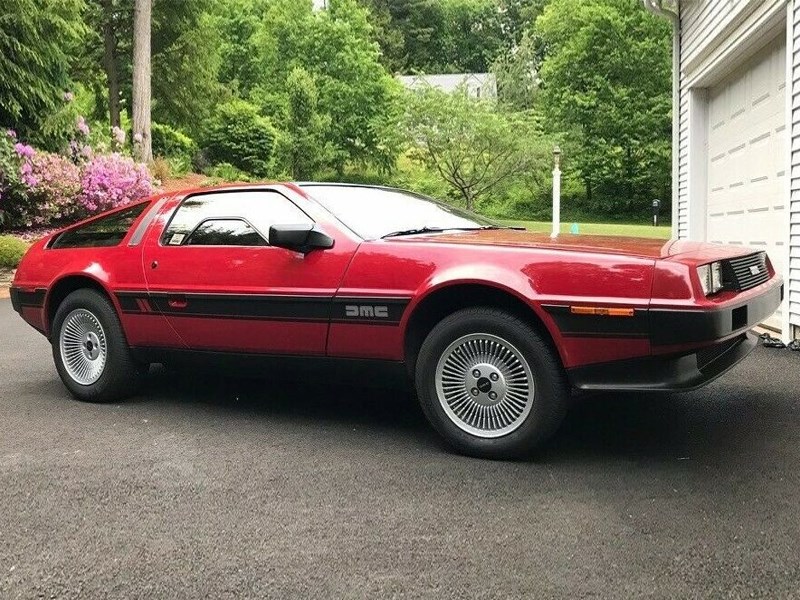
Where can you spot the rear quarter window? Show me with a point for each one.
(105, 231)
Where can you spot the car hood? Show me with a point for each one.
(629, 246)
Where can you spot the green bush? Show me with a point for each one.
(179, 165)
(227, 172)
(239, 135)
(171, 143)
(11, 251)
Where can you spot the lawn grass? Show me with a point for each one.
(621, 229)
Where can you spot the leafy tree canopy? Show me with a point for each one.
(473, 146)
(606, 83)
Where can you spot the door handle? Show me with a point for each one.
(177, 303)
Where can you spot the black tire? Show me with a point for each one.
(121, 374)
(550, 395)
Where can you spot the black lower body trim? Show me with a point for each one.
(668, 327)
(665, 373)
(671, 327)
(352, 371)
(19, 299)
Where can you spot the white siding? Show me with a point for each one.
(747, 156)
(793, 278)
(706, 27)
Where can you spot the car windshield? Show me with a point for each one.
(374, 212)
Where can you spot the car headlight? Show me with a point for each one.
(710, 277)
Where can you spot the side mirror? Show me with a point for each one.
(300, 238)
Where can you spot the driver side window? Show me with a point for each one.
(236, 218)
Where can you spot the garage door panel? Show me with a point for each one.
(747, 142)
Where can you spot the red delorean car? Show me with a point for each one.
(494, 325)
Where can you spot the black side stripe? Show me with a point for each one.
(598, 326)
(315, 309)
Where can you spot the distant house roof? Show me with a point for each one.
(477, 84)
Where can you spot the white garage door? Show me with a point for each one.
(747, 156)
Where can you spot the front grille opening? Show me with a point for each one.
(745, 272)
(739, 318)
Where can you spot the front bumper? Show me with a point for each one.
(665, 373)
(673, 327)
(689, 348)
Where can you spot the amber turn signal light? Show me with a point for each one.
(601, 312)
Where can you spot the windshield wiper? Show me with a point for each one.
(440, 229)
(490, 227)
(414, 231)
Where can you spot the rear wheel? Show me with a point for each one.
(489, 384)
(90, 351)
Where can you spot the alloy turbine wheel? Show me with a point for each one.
(484, 385)
(83, 346)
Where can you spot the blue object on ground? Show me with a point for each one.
(574, 228)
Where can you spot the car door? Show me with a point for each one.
(222, 287)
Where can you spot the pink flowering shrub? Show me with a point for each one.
(111, 180)
(41, 189)
(53, 183)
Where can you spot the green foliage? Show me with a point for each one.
(171, 143)
(37, 40)
(238, 22)
(187, 58)
(516, 72)
(474, 147)
(179, 165)
(413, 175)
(306, 149)
(439, 36)
(238, 134)
(335, 48)
(11, 188)
(606, 81)
(227, 172)
(12, 250)
(472, 36)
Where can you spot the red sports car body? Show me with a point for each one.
(494, 324)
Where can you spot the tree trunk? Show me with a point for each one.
(142, 143)
(588, 184)
(468, 199)
(110, 62)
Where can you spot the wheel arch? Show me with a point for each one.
(63, 287)
(449, 298)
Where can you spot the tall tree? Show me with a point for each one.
(110, 60)
(37, 39)
(306, 129)
(606, 82)
(142, 142)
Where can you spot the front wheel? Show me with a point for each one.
(489, 384)
(90, 351)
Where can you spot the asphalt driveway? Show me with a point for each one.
(206, 486)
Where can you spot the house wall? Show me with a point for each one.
(714, 35)
(793, 110)
(717, 37)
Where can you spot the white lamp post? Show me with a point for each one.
(556, 192)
